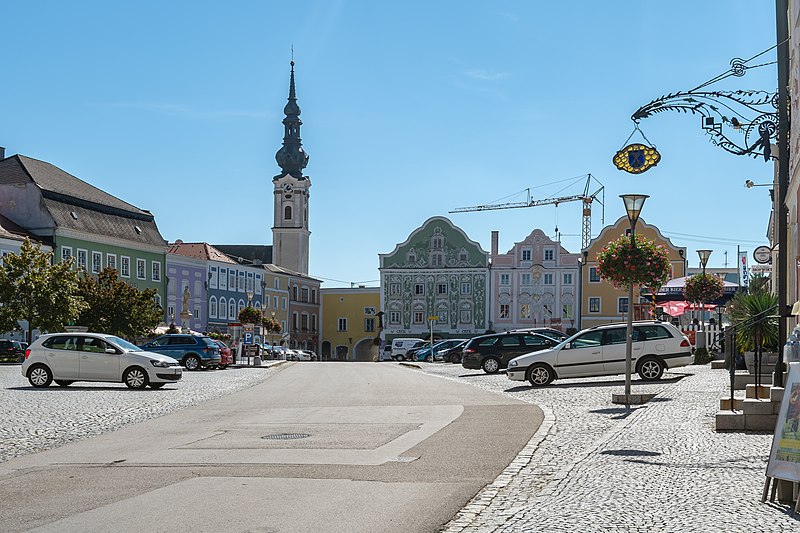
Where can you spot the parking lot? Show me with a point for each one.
(40, 419)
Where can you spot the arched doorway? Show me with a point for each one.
(341, 353)
(326, 350)
(365, 350)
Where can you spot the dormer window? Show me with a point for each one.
(138, 230)
(74, 215)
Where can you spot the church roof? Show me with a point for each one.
(253, 254)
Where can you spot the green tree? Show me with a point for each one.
(116, 307)
(34, 289)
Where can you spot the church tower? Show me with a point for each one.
(290, 234)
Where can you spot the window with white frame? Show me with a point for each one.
(275, 302)
(304, 294)
(504, 310)
(170, 312)
(548, 254)
(66, 253)
(419, 288)
(418, 317)
(223, 308)
(242, 305)
(314, 323)
(505, 279)
(465, 316)
(341, 324)
(97, 262)
(526, 255)
(525, 311)
(232, 309)
(231, 280)
(141, 269)
(548, 279)
(394, 289)
(212, 279)
(196, 314)
(258, 283)
(157, 299)
(594, 277)
(466, 287)
(622, 304)
(125, 266)
(313, 296)
(525, 278)
(594, 304)
(241, 286)
(223, 278)
(250, 286)
(567, 311)
(567, 278)
(266, 301)
(212, 307)
(303, 321)
(111, 261)
(394, 317)
(277, 283)
(82, 258)
(283, 303)
(441, 288)
(369, 324)
(156, 271)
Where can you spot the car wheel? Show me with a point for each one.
(40, 376)
(399, 358)
(454, 359)
(650, 369)
(64, 382)
(540, 375)
(491, 365)
(429, 359)
(192, 363)
(135, 378)
(223, 367)
(157, 385)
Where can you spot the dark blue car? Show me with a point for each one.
(193, 351)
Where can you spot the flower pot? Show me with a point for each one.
(768, 361)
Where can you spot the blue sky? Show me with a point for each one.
(410, 109)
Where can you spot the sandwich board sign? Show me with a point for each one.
(784, 455)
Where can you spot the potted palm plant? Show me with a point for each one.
(755, 316)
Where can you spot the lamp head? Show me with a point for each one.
(633, 205)
(749, 184)
(704, 255)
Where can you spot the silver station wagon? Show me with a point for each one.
(69, 357)
(601, 351)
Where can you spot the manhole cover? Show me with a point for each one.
(286, 436)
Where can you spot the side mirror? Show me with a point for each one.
(111, 350)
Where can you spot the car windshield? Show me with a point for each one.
(125, 345)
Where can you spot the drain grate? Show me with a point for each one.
(286, 436)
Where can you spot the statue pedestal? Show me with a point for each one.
(185, 316)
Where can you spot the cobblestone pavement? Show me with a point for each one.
(39, 419)
(594, 466)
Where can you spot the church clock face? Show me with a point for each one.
(287, 188)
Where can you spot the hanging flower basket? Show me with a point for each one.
(646, 264)
(703, 288)
(249, 315)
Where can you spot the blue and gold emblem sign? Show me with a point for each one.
(636, 158)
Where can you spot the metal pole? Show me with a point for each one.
(629, 336)
(782, 31)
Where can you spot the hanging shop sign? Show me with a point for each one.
(762, 255)
(637, 158)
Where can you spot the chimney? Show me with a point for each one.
(2, 153)
(495, 238)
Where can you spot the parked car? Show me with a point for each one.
(401, 346)
(493, 352)
(425, 353)
(601, 351)
(69, 357)
(225, 355)
(411, 353)
(453, 354)
(11, 350)
(193, 351)
(311, 354)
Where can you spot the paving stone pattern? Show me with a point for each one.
(594, 466)
(39, 419)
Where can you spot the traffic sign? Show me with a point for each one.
(248, 338)
(433, 317)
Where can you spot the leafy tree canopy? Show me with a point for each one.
(33, 289)
(117, 307)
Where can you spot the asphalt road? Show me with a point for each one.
(316, 447)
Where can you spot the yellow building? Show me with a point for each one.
(350, 323)
(601, 303)
(276, 300)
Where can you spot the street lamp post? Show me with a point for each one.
(701, 340)
(633, 207)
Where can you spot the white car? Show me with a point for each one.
(69, 357)
(601, 351)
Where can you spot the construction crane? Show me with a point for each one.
(586, 198)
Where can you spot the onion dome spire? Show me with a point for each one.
(291, 157)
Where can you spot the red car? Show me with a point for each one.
(226, 358)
